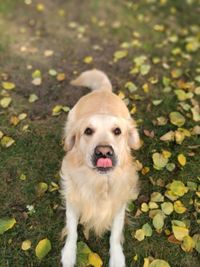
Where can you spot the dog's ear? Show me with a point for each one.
(69, 141)
(69, 138)
(133, 136)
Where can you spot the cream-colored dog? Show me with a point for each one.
(98, 174)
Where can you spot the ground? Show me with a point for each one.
(43, 45)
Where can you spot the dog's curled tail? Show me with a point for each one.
(93, 79)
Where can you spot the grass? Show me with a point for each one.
(101, 27)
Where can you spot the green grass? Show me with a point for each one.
(38, 152)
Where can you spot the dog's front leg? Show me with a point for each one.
(117, 258)
(68, 257)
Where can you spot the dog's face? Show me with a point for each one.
(103, 141)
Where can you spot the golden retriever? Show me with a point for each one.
(98, 173)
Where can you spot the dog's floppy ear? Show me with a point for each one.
(133, 136)
(69, 141)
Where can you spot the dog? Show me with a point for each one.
(98, 174)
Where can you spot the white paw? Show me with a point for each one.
(68, 255)
(117, 258)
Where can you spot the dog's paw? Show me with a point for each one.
(68, 256)
(117, 258)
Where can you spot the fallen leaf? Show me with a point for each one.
(36, 74)
(167, 208)
(41, 188)
(40, 7)
(61, 77)
(33, 98)
(177, 118)
(179, 207)
(37, 81)
(170, 167)
(120, 54)
(22, 177)
(88, 60)
(177, 188)
(57, 110)
(139, 234)
(43, 248)
(8, 85)
(182, 159)
(6, 224)
(95, 260)
(14, 120)
(180, 232)
(159, 161)
(52, 72)
(158, 221)
(159, 263)
(48, 53)
(5, 102)
(22, 116)
(131, 87)
(7, 141)
(147, 229)
(26, 245)
(169, 136)
(157, 197)
(188, 244)
(144, 207)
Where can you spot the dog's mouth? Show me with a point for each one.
(104, 162)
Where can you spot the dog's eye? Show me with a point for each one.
(117, 131)
(88, 131)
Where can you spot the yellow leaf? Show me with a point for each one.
(158, 221)
(14, 120)
(146, 262)
(188, 244)
(41, 188)
(5, 102)
(8, 85)
(22, 116)
(57, 110)
(61, 77)
(95, 260)
(139, 234)
(177, 188)
(120, 54)
(159, 263)
(166, 154)
(22, 177)
(167, 207)
(180, 232)
(144, 207)
(159, 161)
(179, 207)
(7, 141)
(26, 244)
(177, 118)
(169, 136)
(40, 7)
(33, 98)
(182, 159)
(43, 248)
(6, 224)
(88, 60)
(145, 170)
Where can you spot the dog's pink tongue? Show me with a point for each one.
(104, 162)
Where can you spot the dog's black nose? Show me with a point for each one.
(103, 151)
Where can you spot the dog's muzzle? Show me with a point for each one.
(104, 158)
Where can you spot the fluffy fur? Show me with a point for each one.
(97, 197)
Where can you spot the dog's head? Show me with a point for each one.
(102, 140)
